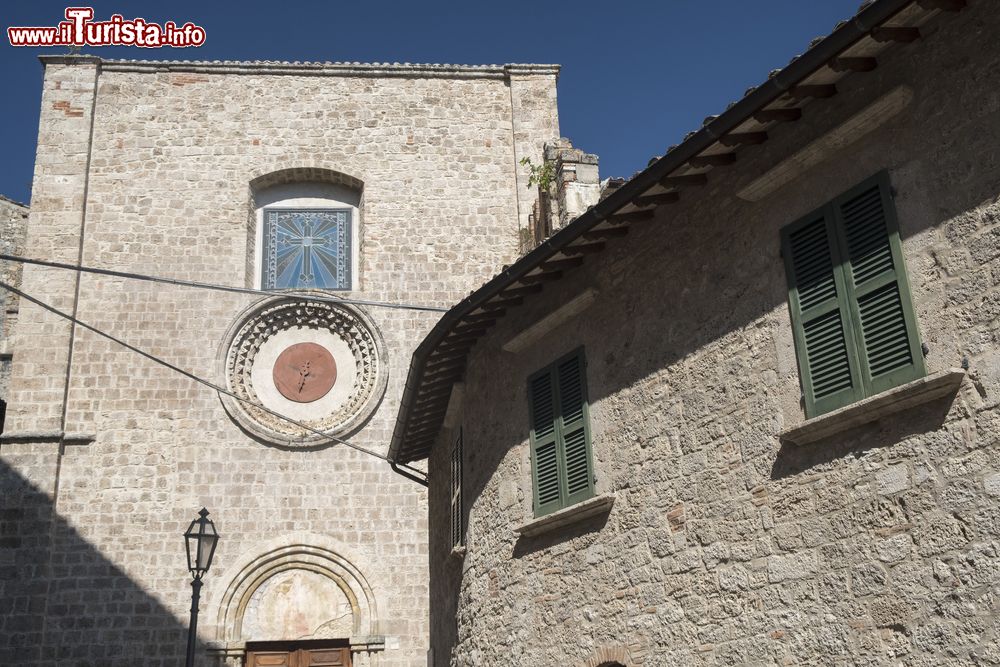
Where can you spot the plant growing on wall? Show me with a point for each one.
(540, 175)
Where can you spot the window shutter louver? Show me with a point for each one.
(560, 436)
(572, 404)
(823, 336)
(890, 349)
(457, 534)
(855, 332)
(544, 444)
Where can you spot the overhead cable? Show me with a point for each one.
(210, 286)
(187, 374)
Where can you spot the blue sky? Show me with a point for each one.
(637, 76)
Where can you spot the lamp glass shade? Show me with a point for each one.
(200, 539)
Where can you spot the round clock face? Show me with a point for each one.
(313, 362)
(304, 372)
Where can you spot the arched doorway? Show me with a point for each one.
(299, 602)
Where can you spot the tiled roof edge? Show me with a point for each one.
(309, 68)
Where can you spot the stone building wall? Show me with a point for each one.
(724, 546)
(108, 456)
(13, 229)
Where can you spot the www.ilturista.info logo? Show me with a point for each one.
(79, 30)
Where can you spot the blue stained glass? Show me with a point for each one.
(306, 248)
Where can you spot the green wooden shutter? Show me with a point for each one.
(884, 323)
(562, 468)
(574, 429)
(457, 534)
(823, 332)
(544, 443)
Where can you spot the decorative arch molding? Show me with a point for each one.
(278, 321)
(302, 174)
(615, 655)
(304, 552)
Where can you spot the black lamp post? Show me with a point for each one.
(201, 539)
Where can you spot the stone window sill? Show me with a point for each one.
(924, 390)
(578, 512)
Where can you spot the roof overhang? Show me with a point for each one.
(852, 48)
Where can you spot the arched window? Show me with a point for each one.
(306, 231)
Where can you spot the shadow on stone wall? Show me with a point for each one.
(62, 602)
(794, 459)
(527, 545)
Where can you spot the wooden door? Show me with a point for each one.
(298, 654)
(270, 659)
(324, 657)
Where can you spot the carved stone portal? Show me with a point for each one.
(298, 604)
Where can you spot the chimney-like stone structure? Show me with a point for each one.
(577, 182)
(575, 186)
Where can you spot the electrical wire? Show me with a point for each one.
(211, 286)
(187, 374)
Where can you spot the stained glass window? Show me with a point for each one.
(307, 248)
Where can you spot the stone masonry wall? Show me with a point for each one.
(163, 189)
(13, 228)
(877, 546)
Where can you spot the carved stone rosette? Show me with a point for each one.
(305, 318)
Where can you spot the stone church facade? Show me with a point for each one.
(746, 409)
(375, 183)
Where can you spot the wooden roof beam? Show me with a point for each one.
(478, 327)
(453, 371)
(427, 430)
(438, 365)
(657, 200)
(471, 334)
(425, 436)
(778, 115)
(440, 382)
(450, 366)
(536, 278)
(713, 160)
(520, 291)
(435, 395)
(583, 249)
(423, 420)
(437, 360)
(944, 5)
(743, 139)
(562, 264)
(491, 306)
(696, 180)
(818, 91)
(429, 414)
(887, 34)
(606, 233)
(486, 323)
(633, 216)
(853, 64)
(483, 317)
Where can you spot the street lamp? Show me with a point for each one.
(200, 540)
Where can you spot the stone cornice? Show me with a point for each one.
(345, 69)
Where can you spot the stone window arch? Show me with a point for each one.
(616, 655)
(304, 230)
